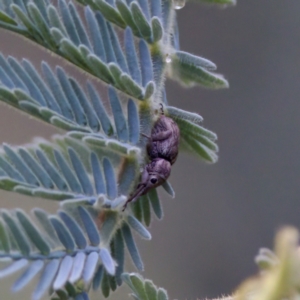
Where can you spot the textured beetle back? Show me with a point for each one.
(164, 140)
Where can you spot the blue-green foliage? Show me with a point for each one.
(61, 101)
(59, 172)
(144, 289)
(95, 48)
(145, 23)
(129, 48)
(69, 245)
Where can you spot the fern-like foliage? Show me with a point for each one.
(78, 245)
(129, 47)
(58, 99)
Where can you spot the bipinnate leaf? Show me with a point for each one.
(72, 248)
(52, 173)
(95, 167)
(68, 107)
(63, 31)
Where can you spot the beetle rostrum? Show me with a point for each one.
(162, 150)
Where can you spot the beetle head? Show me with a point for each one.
(155, 173)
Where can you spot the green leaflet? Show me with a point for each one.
(144, 289)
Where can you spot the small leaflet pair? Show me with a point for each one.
(162, 150)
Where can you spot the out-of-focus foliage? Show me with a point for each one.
(280, 274)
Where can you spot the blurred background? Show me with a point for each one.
(222, 213)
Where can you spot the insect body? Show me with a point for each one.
(162, 150)
(164, 140)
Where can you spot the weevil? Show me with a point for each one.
(162, 149)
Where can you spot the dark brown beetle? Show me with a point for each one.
(162, 149)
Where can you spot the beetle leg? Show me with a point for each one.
(162, 108)
(145, 135)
